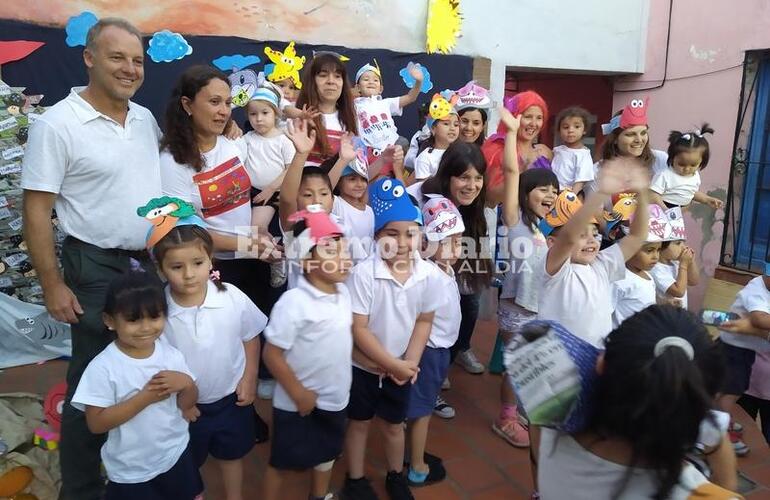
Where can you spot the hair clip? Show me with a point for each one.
(135, 265)
(214, 275)
(681, 343)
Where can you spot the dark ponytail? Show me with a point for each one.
(657, 403)
(683, 141)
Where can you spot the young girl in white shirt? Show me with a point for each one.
(444, 125)
(138, 391)
(679, 183)
(351, 207)
(216, 327)
(677, 268)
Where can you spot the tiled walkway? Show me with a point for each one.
(479, 464)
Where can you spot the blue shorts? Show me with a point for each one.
(224, 430)
(180, 482)
(371, 395)
(738, 362)
(434, 366)
(300, 443)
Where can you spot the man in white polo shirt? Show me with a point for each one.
(94, 157)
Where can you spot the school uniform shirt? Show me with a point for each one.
(360, 224)
(753, 297)
(631, 294)
(446, 322)
(572, 165)
(393, 307)
(426, 164)
(151, 442)
(525, 248)
(675, 189)
(100, 170)
(211, 337)
(334, 130)
(220, 192)
(580, 296)
(374, 116)
(665, 275)
(266, 157)
(314, 330)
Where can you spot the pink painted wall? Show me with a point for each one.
(706, 53)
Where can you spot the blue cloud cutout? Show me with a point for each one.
(78, 26)
(409, 81)
(166, 46)
(268, 69)
(227, 63)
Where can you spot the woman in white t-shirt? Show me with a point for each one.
(657, 381)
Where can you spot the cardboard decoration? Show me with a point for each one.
(167, 46)
(633, 114)
(77, 28)
(409, 80)
(443, 27)
(16, 50)
(285, 65)
(235, 62)
(243, 85)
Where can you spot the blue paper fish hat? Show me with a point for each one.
(391, 203)
(553, 373)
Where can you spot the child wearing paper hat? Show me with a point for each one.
(394, 300)
(444, 124)
(677, 269)
(310, 398)
(443, 231)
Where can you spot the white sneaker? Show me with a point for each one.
(442, 409)
(468, 361)
(446, 384)
(265, 389)
(277, 273)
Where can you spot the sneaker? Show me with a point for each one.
(277, 274)
(397, 487)
(446, 384)
(443, 409)
(512, 431)
(357, 489)
(266, 388)
(736, 428)
(429, 459)
(435, 474)
(468, 361)
(741, 448)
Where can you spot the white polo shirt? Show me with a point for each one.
(446, 322)
(151, 442)
(630, 295)
(314, 330)
(392, 307)
(101, 171)
(211, 338)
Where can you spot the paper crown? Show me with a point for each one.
(664, 225)
(269, 93)
(623, 207)
(473, 96)
(375, 68)
(635, 113)
(565, 206)
(441, 106)
(286, 65)
(166, 213)
(319, 227)
(391, 203)
(339, 56)
(441, 219)
(360, 164)
(243, 85)
(553, 373)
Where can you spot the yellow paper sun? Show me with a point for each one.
(443, 27)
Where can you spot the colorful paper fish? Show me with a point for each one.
(441, 105)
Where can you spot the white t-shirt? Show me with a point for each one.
(524, 254)
(674, 188)
(314, 330)
(101, 171)
(267, 157)
(753, 297)
(665, 275)
(631, 294)
(374, 116)
(211, 338)
(392, 307)
(334, 130)
(411, 153)
(446, 322)
(220, 192)
(360, 224)
(572, 165)
(152, 441)
(580, 296)
(659, 164)
(426, 164)
(567, 470)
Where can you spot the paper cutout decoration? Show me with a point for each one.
(243, 85)
(441, 106)
(390, 202)
(53, 405)
(376, 125)
(634, 114)
(167, 46)
(339, 56)
(441, 219)
(409, 81)
(360, 165)
(374, 68)
(319, 227)
(17, 50)
(165, 213)
(228, 63)
(286, 65)
(77, 28)
(443, 28)
(473, 96)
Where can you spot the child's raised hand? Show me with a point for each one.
(170, 382)
(347, 150)
(309, 112)
(714, 203)
(306, 402)
(246, 390)
(191, 414)
(398, 155)
(510, 121)
(301, 134)
(623, 175)
(415, 72)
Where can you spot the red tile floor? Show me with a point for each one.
(479, 464)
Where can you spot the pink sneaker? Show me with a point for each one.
(512, 431)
